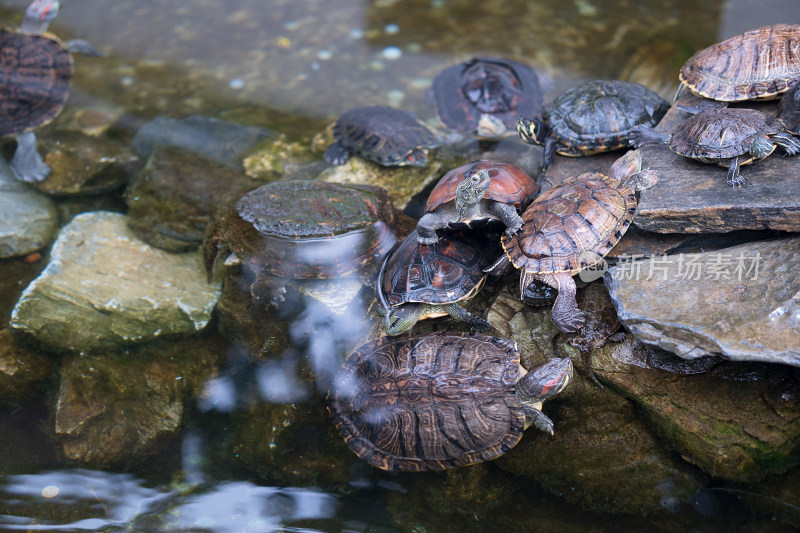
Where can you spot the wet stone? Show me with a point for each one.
(22, 370)
(735, 421)
(27, 218)
(84, 165)
(104, 287)
(115, 409)
(274, 157)
(696, 198)
(741, 303)
(172, 199)
(220, 140)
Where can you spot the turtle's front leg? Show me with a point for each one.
(27, 163)
(537, 418)
(789, 143)
(475, 322)
(734, 178)
(508, 215)
(427, 226)
(642, 135)
(565, 314)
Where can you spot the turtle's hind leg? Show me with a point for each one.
(27, 163)
(565, 314)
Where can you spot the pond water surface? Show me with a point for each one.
(292, 66)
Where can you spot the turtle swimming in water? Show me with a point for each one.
(596, 116)
(440, 401)
(35, 74)
(385, 135)
(571, 227)
(729, 137)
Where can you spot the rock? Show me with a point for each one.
(84, 165)
(172, 199)
(274, 157)
(602, 455)
(15, 275)
(27, 218)
(103, 287)
(220, 140)
(735, 421)
(113, 409)
(696, 198)
(741, 303)
(22, 370)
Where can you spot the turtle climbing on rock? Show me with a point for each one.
(570, 228)
(729, 137)
(35, 74)
(474, 194)
(385, 135)
(440, 401)
(425, 281)
(596, 116)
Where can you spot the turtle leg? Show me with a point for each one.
(401, 319)
(537, 418)
(734, 178)
(427, 226)
(565, 314)
(508, 215)
(641, 135)
(336, 154)
(499, 267)
(789, 143)
(475, 322)
(550, 145)
(79, 46)
(27, 163)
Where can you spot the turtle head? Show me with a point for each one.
(401, 319)
(470, 191)
(532, 131)
(545, 381)
(39, 15)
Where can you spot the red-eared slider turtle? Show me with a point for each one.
(759, 64)
(305, 229)
(484, 96)
(724, 136)
(440, 401)
(789, 109)
(388, 136)
(35, 74)
(474, 194)
(571, 227)
(423, 281)
(596, 116)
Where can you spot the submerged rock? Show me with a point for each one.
(27, 218)
(22, 370)
(741, 303)
(735, 421)
(104, 287)
(114, 409)
(172, 199)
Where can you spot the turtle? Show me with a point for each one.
(789, 109)
(385, 135)
(36, 70)
(759, 64)
(440, 401)
(304, 229)
(419, 281)
(476, 193)
(725, 136)
(595, 116)
(571, 227)
(484, 96)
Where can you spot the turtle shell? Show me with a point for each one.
(597, 116)
(442, 273)
(307, 229)
(789, 109)
(571, 226)
(500, 87)
(509, 184)
(722, 133)
(35, 75)
(759, 64)
(383, 134)
(431, 402)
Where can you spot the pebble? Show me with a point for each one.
(356, 33)
(391, 29)
(324, 55)
(392, 52)
(395, 97)
(236, 83)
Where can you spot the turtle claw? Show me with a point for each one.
(511, 230)
(481, 326)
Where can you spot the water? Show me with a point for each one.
(292, 66)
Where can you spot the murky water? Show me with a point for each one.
(291, 66)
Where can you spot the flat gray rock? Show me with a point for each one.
(104, 287)
(741, 303)
(27, 217)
